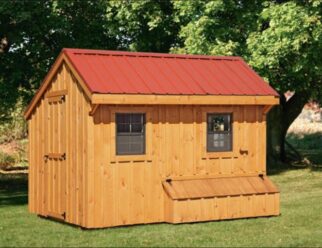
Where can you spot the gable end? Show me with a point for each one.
(62, 58)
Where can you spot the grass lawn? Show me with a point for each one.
(300, 223)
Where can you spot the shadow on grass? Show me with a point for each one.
(280, 168)
(13, 189)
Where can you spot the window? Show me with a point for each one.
(219, 132)
(130, 133)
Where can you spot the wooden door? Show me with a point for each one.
(55, 157)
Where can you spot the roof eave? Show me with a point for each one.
(141, 99)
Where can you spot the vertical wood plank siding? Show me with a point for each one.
(102, 189)
(70, 137)
(129, 191)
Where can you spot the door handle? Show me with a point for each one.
(243, 151)
(60, 156)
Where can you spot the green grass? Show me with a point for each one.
(300, 223)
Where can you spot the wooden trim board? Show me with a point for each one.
(139, 99)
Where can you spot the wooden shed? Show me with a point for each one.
(122, 138)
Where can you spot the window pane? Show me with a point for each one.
(137, 144)
(123, 128)
(218, 123)
(137, 118)
(219, 144)
(137, 128)
(137, 139)
(130, 135)
(219, 137)
(123, 118)
(124, 139)
(227, 123)
(123, 144)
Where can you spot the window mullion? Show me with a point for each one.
(130, 124)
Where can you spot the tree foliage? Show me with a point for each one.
(32, 33)
(145, 25)
(219, 27)
(23, 37)
(287, 47)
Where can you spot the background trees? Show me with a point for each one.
(282, 40)
(32, 33)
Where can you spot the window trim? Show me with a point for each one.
(148, 134)
(144, 135)
(231, 132)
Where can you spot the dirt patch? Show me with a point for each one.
(13, 154)
(10, 148)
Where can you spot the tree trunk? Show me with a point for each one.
(279, 120)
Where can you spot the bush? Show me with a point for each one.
(21, 156)
(15, 128)
(305, 140)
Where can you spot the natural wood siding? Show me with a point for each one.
(70, 137)
(220, 208)
(129, 191)
(97, 188)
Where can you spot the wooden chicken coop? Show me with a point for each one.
(122, 138)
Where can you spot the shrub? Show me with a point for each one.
(21, 156)
(6, 160)
(15, 128)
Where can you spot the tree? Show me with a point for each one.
(219, 27)
(282, 40)
(32, 33)
(145, 25)
(21, 23)
(287, 52)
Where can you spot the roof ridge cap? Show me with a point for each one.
(147, 54)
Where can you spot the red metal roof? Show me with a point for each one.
(117, 72)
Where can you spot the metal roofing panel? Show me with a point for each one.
(205, 76)
(216, 77)
(117, 72)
